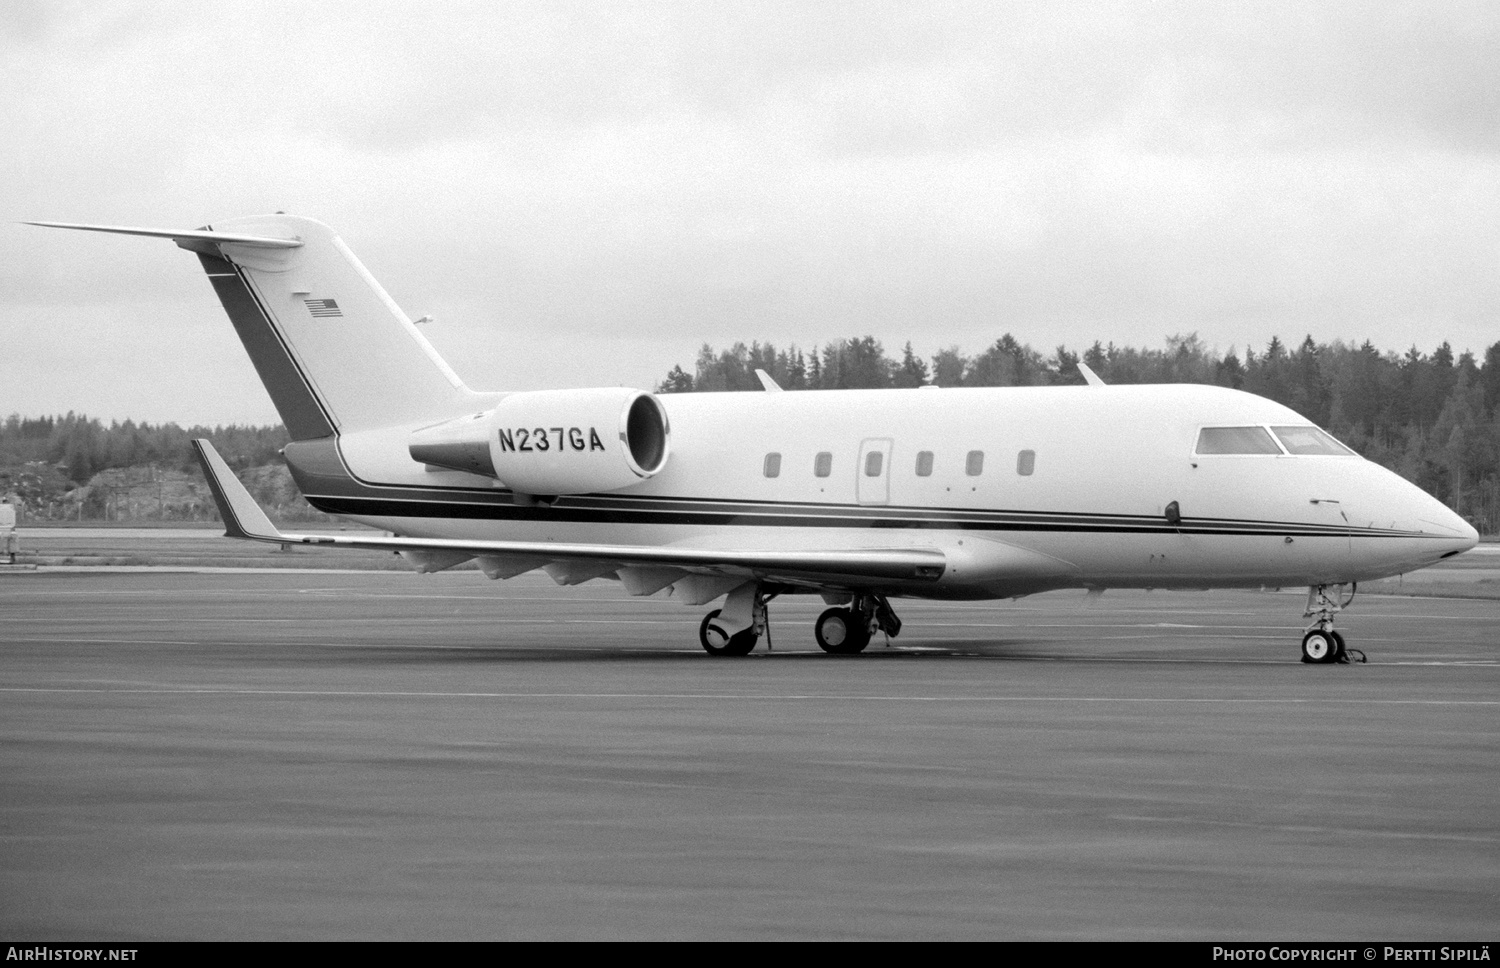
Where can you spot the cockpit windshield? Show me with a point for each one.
(1307, 441)
(1236, 440)
(1310, 441)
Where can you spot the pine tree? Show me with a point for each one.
(677, 381)
(912, 372)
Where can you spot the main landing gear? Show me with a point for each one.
(1320, 643)
(840, 630)
(846, 631)
(716, 641)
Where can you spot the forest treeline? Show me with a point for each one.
(1430, 417)
(78, 446)
(48, 462)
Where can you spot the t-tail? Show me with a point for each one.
(335, 352)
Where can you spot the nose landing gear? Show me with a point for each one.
(1320, 643)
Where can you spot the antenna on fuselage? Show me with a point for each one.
(1089, 376)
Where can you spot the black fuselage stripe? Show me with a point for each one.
(717, 508)
(386, 508)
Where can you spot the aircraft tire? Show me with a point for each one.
(1319, 647)
(1340, 653)
(714, 642)
(839, 632)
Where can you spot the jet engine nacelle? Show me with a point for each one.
(555, 441)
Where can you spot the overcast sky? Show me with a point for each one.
(584, 193)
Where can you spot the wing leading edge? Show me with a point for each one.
(243, 518)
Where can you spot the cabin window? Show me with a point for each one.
(1310, 441)
(1236, 440)
(823, 464)
(974, 463)
(874, 461)
(1026, 462)
(773, 464)
(924, 463)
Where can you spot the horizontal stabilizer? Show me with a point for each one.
(243, 518)
(193, 235)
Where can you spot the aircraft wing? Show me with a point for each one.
(243, 518)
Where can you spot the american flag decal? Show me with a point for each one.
(323, 307)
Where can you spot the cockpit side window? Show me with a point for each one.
(1310, 441)
(1235, 440)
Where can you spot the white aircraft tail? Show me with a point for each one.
(335, 352)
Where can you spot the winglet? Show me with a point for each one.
(243, 518)
(765, 380)
(1089, 376)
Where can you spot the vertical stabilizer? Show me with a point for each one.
(335, 352)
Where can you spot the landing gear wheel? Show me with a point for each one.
(1321, 644)
(840, 632)
(715, 642)
(1321, 647)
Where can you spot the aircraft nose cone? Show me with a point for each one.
(1436, 517)
(1470, 537)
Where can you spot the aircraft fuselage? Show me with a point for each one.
(1024, 489)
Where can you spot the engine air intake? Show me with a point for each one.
(646, 434)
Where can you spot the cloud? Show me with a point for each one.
(587, 193)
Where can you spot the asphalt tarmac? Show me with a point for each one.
(333, 755)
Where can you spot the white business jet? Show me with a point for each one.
(860, 496)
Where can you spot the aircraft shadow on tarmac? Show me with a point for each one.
(1007, 650)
